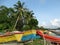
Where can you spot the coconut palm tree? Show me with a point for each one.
(19, 7)
(24, 15)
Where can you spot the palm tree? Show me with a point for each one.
(24, 15)
(28, 16)
(19, 7)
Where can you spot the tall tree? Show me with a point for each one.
(24, 15)
(6, 17)
(19, 10)
(33, 23)
(3, 18)
(18, 17)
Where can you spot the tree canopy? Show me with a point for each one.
(17, 18)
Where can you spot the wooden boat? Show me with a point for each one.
(28, 35)
(11, 37)
(6, 38)
(18, 36)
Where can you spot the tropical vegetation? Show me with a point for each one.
(17, 18)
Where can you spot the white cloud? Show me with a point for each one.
(52, 24)
(55, 22)
(43, 24)
(46, 25)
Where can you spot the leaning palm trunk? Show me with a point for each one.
(16, 23)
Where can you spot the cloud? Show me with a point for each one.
(56, 22)
(52, 24)
(44, 24)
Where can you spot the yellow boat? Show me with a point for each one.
(12, 37)
(18, 36)
(29, 32)
(7, 38)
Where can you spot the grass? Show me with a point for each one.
(36, 42)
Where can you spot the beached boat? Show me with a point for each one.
(11, 37)
(29, 35)
(18, 35)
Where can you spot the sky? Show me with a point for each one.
(47, 12)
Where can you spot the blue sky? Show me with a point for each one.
(45, 10)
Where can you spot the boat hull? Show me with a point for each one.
(9, 38)
(29, 35)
